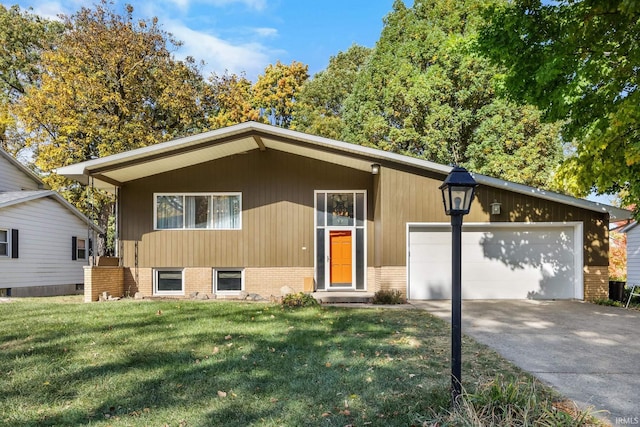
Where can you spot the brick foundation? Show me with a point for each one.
(267, 282)
(262, 281)
(596, 282)
(391, 278)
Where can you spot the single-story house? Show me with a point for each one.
(251, 208)
(44, 241)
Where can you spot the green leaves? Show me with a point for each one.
(577, 61)
(424, 92)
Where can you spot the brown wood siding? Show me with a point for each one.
(277, 212)
(413, 196)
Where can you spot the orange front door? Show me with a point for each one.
(341, 254)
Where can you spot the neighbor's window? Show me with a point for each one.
(214, 211)
(4, 242)
(227, 280)
(168, 282)
(81, 249)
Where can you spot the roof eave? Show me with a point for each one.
(81, 171)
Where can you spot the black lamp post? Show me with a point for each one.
(457, 194)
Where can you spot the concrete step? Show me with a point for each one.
(340, 297)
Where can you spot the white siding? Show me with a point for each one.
(45, 231)
(633, 255)
(13, 179)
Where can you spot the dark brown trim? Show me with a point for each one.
(106, 179)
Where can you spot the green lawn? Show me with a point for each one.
(195, 363)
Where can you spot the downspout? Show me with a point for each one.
(90, 247)
(116, 244)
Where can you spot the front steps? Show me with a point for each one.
(339, 297)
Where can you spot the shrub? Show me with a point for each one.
(299, 300)
(388, 297)
(609, 302)
(516, 402)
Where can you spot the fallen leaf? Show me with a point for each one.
(228, 337)
(216, 350)
(326, 414)
(328, 364)
(159, 312)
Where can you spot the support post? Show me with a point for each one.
(456, 309)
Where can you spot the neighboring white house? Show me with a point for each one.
(633, 253)
(44, 241)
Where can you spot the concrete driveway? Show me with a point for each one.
(589, 353)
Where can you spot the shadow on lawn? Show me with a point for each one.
(243, 366)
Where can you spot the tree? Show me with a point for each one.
(617, 255)
(320, 104)
(276, 90)
(579, 61)
(232, 100)
(109, 85)
(23, 38)
(424, 92)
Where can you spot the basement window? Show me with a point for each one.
(168, 282)
(228, 280)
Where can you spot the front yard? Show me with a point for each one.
(194, 363)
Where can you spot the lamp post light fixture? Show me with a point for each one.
(458, 190)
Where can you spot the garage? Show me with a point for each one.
(499, 261)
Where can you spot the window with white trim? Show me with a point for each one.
(78, 248)
(228, 280)
(192, 211)
(81, 249)
(8, 243)
(4, 243)
(167, 281)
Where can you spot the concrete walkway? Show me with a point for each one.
(589, 353)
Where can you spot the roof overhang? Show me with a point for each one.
(113, 171)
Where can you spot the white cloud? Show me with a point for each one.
(220, 55)
(45, 9)
(266, 32)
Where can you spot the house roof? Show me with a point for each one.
(10, 198)
(112, 171)
(28, 172)
(629, 227)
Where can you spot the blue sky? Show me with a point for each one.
(248, 35)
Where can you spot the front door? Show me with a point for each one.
(340, 240)
(340, 258)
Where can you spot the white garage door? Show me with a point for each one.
(498, 262)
